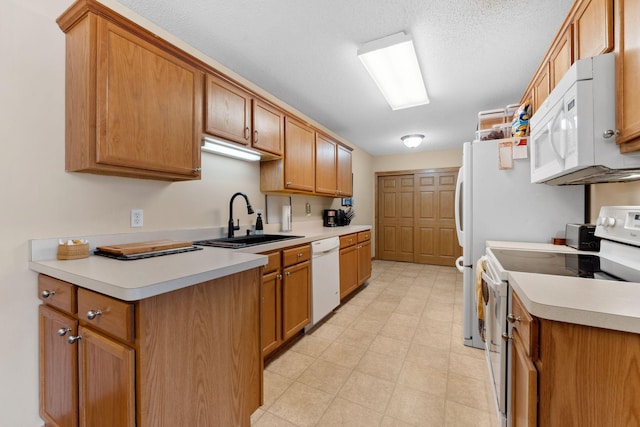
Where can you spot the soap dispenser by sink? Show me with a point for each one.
(259, 226)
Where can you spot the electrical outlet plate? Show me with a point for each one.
(137, 217)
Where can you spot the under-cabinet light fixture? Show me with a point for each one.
(412, 141)
(216, 146)
(393, 65)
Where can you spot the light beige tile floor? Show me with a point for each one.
(391, 356)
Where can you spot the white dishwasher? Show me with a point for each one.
(325, 278)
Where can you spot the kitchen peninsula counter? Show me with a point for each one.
(138, 279)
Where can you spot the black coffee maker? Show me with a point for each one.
(330, 218)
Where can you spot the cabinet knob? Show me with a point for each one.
(610, 133)
(63, 331)
(73, 339)
(288, 273)
(197, 170)
(46, 293)
(299, 255)
(92, 314)
(506, 337)
(288, 184)
(513, 319)
(279, 277)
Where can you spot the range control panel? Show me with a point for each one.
(620, 224)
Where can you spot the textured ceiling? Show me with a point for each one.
(475, 55)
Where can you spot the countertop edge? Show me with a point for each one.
(544, 308)
(130, 283)
(135, 294)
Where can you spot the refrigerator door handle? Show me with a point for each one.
(458, 209)
(459, 264)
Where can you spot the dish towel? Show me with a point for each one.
(480, 267)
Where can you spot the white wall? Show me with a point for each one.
(39, 199)
(418, 160)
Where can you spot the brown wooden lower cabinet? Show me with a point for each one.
(286, 296)
(355, 261)
(187, 357)
(586, 376)
(348, 270)
(524, 386)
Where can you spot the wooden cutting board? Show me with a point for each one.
(141, 247)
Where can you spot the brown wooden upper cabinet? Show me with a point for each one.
(345, 178)
(268, 128)
(233, 114)
(541, 87)
(586, 31)
(593, 28)
(295, 172)
(299, 156)
(133, 103)
(333, 167)
(561, 58)
(228, 111)
(627, 47)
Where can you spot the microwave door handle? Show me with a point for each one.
(552, 140)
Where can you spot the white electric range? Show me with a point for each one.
(615, 269)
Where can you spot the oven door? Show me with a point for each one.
(496, 325)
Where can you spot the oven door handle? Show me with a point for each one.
(489, 276)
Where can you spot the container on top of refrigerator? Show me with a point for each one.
(488, 118)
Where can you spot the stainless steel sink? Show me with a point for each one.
(244, 241)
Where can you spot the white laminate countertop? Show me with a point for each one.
(592, 302)
(144, 278)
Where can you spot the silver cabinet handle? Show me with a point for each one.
(506, 337)
(92, 314)
(197, 170)
(288, 184)
(63, 331)
(73, 339)
(288, 273)
(279, 277)
(610, 132)
(46, 293)
(300, 255)
(513, 319)
(255, 136)
(246, 133)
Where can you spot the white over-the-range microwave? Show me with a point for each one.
(573, 133)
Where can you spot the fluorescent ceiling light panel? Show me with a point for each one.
(393, 65)
(216, 146)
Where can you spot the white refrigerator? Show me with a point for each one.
(494, 204)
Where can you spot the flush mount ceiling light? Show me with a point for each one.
(215, 146)
(412, 141)
(393, 65)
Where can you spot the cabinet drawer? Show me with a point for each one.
(348, 240)
(363, 236)
(526, 325)
(274, 262)
(57, 293)
(111, 315)
(295, 255)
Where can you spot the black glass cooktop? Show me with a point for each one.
(565, 264)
